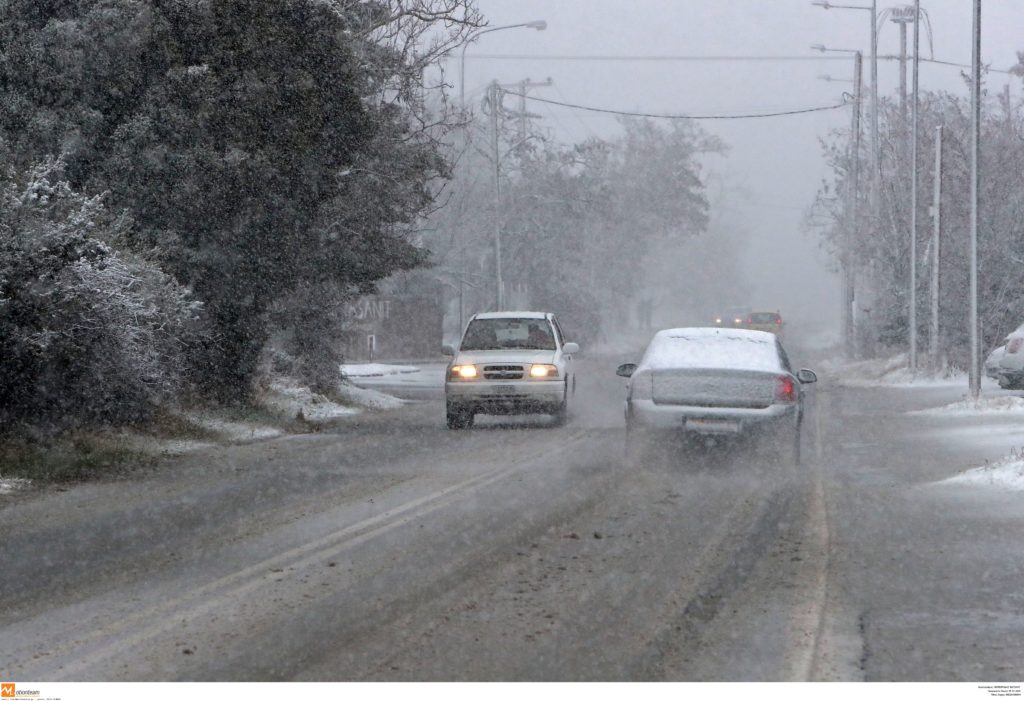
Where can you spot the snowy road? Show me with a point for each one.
(397, 550)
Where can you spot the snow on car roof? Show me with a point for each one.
(511, 315)
(716, 348)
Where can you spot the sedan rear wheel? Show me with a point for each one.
(788, 447)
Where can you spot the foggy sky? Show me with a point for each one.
(775, 163)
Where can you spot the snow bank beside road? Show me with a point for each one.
(11, 485)
(1002, 405)
(889, 372)
(376, 369)
(368, 398)
(292, 401)
(1007, 473)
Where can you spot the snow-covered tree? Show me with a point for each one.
(87, 332)
(261, 147)
(880, 247)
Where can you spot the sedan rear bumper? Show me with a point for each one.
(645, 414)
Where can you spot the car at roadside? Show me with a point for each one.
(510, 363)
(1009, 372)
(993, 359)
(716, 383)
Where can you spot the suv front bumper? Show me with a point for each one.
(506, 397)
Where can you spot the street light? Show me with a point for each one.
(876, 157)
(538, 24)
(852, 203)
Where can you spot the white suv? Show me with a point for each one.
(509, 363)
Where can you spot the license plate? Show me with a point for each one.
(712, 425)
(503, 389)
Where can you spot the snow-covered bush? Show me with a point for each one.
(87, 332)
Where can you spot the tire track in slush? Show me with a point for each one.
(129, 632)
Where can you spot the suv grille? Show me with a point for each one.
(503, 372)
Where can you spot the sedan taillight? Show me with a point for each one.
(785, 389)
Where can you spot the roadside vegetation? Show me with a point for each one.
(181, 179)
(877, 246)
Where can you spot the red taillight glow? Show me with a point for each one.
(779, 321)
(785, 390)
(1014, 345)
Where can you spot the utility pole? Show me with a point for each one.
(975, 370)
(521, 88)
(494, 95)
(903, 65)
(913, 194)
(853, 233)
(936, 243)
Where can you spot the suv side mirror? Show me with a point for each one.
(447, 350)
(571, 348)
(626, 370)
(806, 376)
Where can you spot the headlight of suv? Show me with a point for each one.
(464, 372)
(544, 372)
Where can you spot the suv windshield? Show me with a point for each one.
(498, 334)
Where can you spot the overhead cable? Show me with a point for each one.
(626, 113)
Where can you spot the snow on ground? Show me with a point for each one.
(290, 400)
(375, 369)
(11, 485)
(891, 372)
(423, 381)
(1007, 473)
(1001, 405)
(368, 398)
(234, 430)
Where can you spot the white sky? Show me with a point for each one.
(776, 162)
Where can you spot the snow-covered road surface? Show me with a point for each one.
(397, 550)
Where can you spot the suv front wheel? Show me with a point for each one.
(459, 417)
(561, 414)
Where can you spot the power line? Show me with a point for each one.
(626, 113)
(611, 57)
(600, 57)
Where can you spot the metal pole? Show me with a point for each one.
(849, 280)
(875, 143)
(936, 242)
(913, 195)
(903, 72)
(522, 109)
(495, 91)
(975, 374)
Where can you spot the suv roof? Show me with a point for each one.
(511, 315)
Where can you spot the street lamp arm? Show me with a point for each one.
(538, 24)
(826, 5)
